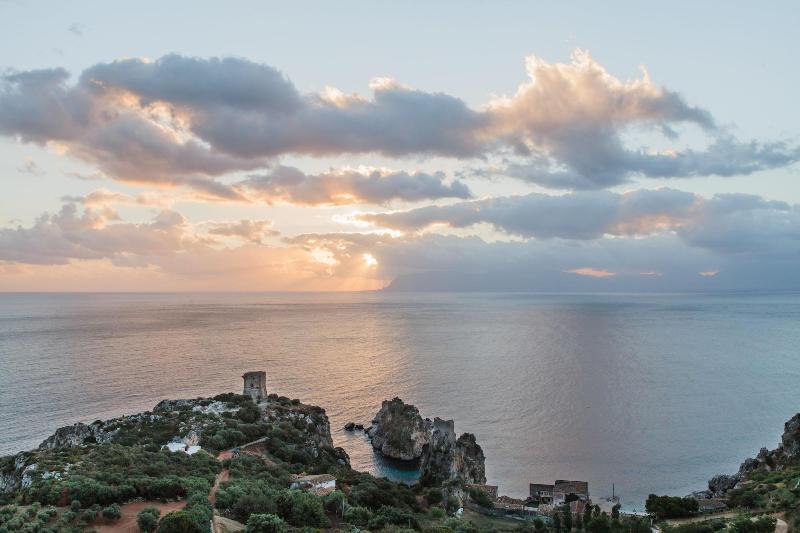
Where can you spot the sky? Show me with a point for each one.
(322, 146)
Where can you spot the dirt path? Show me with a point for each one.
(225, 475)
(127, 524)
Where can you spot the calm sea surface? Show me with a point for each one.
(652, 393)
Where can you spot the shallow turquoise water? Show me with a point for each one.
(652, 393)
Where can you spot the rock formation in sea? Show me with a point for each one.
(399, 431)
(447, 458)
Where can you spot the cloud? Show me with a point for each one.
(179, 119)
(167, 251)
(709, 273)
(29, 166)
(71, 234)
(437, 262)
(730, 223)
(77, 29)
(349, 186)
(591, 272)
(254, 231)
(581, 215)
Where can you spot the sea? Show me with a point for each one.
(646, 393)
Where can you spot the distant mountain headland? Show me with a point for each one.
(264, 462)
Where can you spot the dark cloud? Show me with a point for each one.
(581, 215)
(729, 223)
(180, 117)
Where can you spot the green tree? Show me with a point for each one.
(600, 524)
(177, 522)
(112, 512)
(147, 519)
(566, 517)
(265, 523)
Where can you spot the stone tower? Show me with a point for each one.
(255, 385)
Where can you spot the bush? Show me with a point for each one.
(147, 519)
(670, 506)
(178, 522)
(301, 508)
(265, 523)
(334, 502)
(393, 516)
(460, 526)
(359, 516)
(112, 512)
(762, 524)
(75, 506)
(434, 496)
(481, 498)
(437, 513)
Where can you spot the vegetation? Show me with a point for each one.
(147, 519)
(671, 506)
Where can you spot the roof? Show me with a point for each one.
(541, 486)
(315, 479)
(571, 487)
(509, 503)
(577, 507)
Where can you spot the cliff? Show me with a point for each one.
(399, 431)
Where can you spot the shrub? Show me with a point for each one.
(437, 513)
(481, 498)
(112, 512)
(762, 524)
(460, 526)
(177, 522)
(670, 506)
(359, 516)
(334, 502)
(434, 496)
(265, 523)
(301, 508)
(89, 515)
(392, 515)
(147, 519)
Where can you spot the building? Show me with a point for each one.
(541, 493)
(564, 490)
(490, 490)
(559, 492)
(255, 385)
(318, 484)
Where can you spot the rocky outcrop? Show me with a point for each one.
(13, 470)
(399, 431)
(447, 458)
(790, 441)
(77, 435)
(722, 483)
(786, 454)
